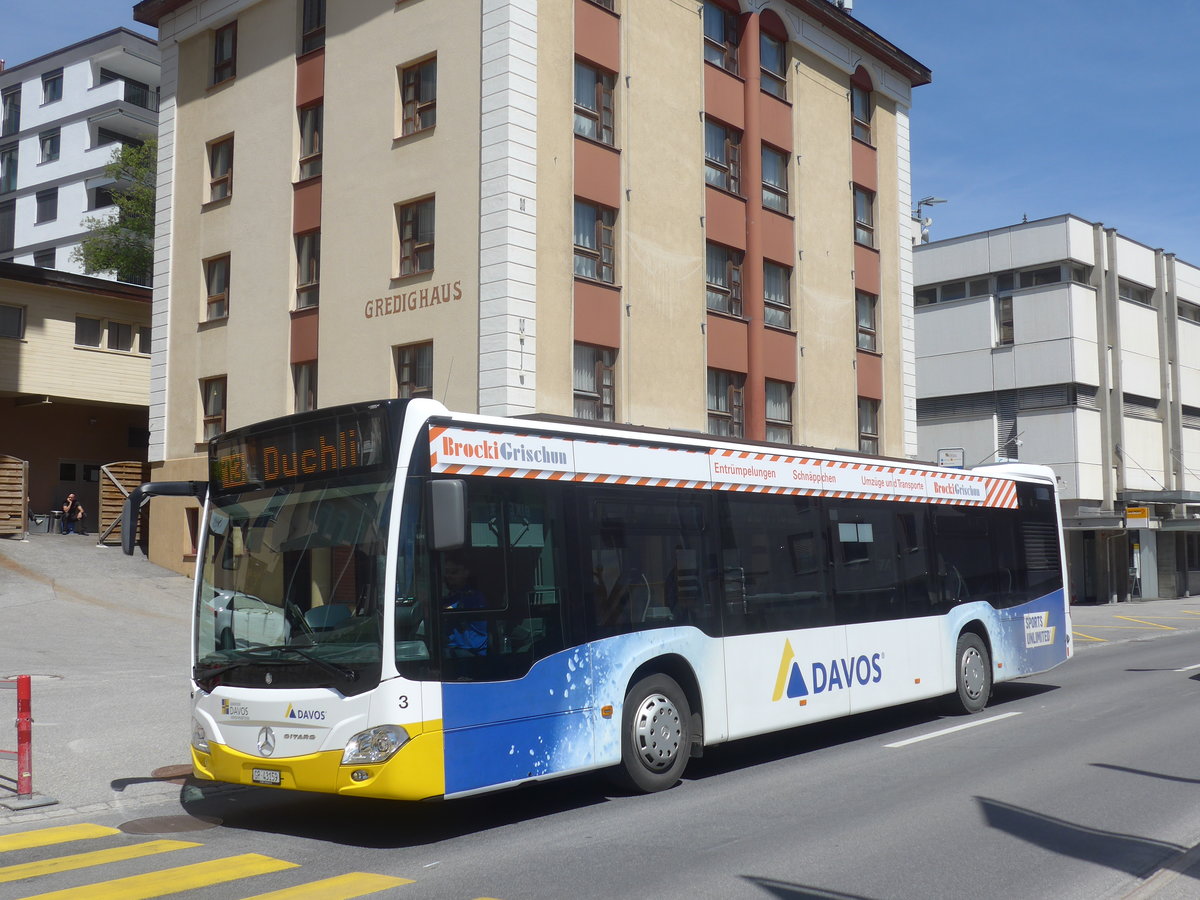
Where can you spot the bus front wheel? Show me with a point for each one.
(656, 735)
(973, 673)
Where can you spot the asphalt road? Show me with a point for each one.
(1081, 783)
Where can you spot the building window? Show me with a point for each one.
(312, 25)
(143, 340)
(594, 383)
(723, 156)
(87, 331)
(220, 169)
(8, 168)
(720, 36)
(610, 5)
(100, 197)
(12, 321)
(224, 53)
(860, 113)
(864, 217)
(414, 222)
(108, 136)
(777, 295)
(414, 371)
(45, 259)
(311, 130)
(51, 144)
(8, 225)
(308, 269)
(775, 179)
(1037, 277)
(418, 91)
(868, 425)
(725, 406)
(779, 412)
(1134, 293)
(120, 336)
(1004, 321)
(212, 393)
(773, 58)
(1189, 311)
(594, 103)
(47, 205)
(866, 308)
(216, 278)
(723, 274)
(10, 102)
(594, 246)
(304, 380)
(52, 86)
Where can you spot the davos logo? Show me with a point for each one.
(834, 675)
(234, 709)
(1038, 630)
(313, 715)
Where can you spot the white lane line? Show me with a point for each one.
(1188, 668)
(944, 731)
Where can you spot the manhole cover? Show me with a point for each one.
(173, 774)
(170, 824)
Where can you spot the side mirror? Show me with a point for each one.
(140, 495)
(447, 514)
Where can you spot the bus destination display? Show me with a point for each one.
(316, 449)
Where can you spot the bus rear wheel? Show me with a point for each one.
(656, 736)
(973, 673)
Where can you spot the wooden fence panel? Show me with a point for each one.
(117, 480)
(14, 491)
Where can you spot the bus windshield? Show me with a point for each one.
(292, 586)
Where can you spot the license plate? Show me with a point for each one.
(265, 776)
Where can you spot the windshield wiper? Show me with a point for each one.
(342, 671)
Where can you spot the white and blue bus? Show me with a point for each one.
(394, 600)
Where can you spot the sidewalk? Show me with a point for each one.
(105, 638)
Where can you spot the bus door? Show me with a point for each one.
(783, 641)
(515, 700)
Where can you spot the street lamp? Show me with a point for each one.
(919, 215)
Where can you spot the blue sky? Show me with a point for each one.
(1037, 107)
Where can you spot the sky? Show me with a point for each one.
(1037, 107)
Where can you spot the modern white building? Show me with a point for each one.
(1064, 343)
(62, 116)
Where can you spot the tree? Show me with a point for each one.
(124, 243)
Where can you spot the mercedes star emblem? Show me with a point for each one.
(266, 741)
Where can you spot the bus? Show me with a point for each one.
(394, 600)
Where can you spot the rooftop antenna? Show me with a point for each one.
(919, 215)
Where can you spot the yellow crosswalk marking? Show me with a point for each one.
(84, 860)
(1080, 634)
(172, 881)
(343, 887)
(61, 834)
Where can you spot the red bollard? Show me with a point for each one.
(25, 798)
(24, 739)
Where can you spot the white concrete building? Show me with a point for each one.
(62, 116)
(1064, 343)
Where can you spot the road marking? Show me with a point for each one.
(342, 887)
(44, 837)
(1188, 668)
(1144, 622)
(172, 881)
(85, 860)
(945, 731)
(1089, 637)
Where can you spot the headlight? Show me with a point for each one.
(199, 738)
(375, 745)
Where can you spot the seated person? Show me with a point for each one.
(463, 638)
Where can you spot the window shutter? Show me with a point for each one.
(606, 382)
(735, 165)
(408, 227)
(409, 123)
(604, 103)
(736, 406)
(735, 286)
(605, 233)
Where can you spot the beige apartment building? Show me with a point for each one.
(692, 215)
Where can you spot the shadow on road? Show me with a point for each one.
(1133, 855)
(785, 891)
